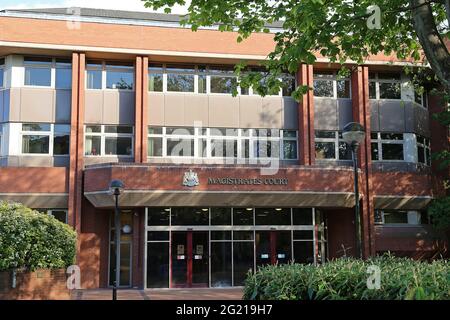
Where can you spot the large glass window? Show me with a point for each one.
(45, 138)
(204, 79)
(387, 146)
(401, 217)
(38, 71)
(108, 140)
(329, 84)
(119, 75)
(220, 143)
(63, 74)
(385, 86)
(423, 150)
(331, 146)
(94, 75)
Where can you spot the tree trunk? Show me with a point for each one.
(433, 46)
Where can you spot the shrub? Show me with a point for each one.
(32, 240)
(346, 279)
(439, 211)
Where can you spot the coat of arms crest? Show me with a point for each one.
(190, 179)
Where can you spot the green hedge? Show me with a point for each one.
(32, 240)
(346, 279)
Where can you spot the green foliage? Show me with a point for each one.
(439, 211)
(346, 279)
(32, 240)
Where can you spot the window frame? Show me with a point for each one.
(332, 75)
(426, 145)
(336, 141)
(103, 135)
(201, 134)
(377, 82)
(49, 65)
(51, 134)
(103, 67)
(207, 71)
(380, 143)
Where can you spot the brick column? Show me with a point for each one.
(76, 141)
(138, 111)
(361, 114)
(141, 98)
(306, 117)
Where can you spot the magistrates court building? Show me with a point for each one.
(215, 185)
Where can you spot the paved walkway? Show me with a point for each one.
(160, 294)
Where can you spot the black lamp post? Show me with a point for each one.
(354, 134)
(116, 188)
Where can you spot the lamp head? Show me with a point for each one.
(353, 133)
(116, 187)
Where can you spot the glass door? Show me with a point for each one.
(273, 247)
(190, 260)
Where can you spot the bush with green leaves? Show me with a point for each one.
(439, 211)
(32, 240)
(346, 279)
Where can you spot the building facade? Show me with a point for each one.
(215, 185)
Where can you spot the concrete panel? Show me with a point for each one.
(223, 111)
(63, 102)
(272, 112)
(290, 113)
(325, 114)
(345, 112)
(409, 116)
(174, 110)
(111, 159)
(34, 161)
(392, 116)
(196, 110)
(110, 107)
(94, 106)
(36, 105)
(250, 111)
(421, 121)
(34, 200)
(155, 109)
(374, 115)
(127, 107)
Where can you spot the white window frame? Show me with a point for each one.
(103, 68)
(377, 82)
(50, 65)
(336, 140)
(334, 78)
(206, 71)
(103, 135)
(198, 137)
(426, 147)
(380, 143)
(50, 213)
(50, 134)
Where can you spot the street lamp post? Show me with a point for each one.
(116, 188)
(354, 134)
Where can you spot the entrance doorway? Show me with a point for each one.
(273, 247)
(190, 259)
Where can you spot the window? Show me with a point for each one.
(423, 150)
(180, 78)
(222, 143)
(1, 139)
(109, 75)
(63, 74)
(38, 71)
(204, 79)
(331, 146)
(45, 139)
(94, 75)
(329, 84)
(119, 76)
(387, 146)
(401, 217)
(108, 140)
(2, 72)
(58, 214)
(421, 98)
(385, 86)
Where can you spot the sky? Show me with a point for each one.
(130, 5)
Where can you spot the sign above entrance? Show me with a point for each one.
(248, 181)
(190, 179)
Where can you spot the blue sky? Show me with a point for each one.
(133, 5)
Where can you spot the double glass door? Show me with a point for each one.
(190, 259)
(273, 247)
